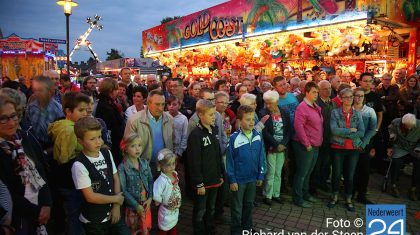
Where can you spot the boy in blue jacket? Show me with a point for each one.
(245, 166)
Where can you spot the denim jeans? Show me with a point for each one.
(72, 202)
(272, 184)
(305, 163)
(203, 212)
(341, 158)
(242, 207)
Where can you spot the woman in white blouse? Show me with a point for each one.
(139, 96)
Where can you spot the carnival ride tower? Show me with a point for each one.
(82, 40)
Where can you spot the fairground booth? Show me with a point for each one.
(25, 57)
(262, 36)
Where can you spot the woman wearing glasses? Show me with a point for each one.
(361, 178)
(21, 170)
(347, 130)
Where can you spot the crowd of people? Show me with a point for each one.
(102, 158)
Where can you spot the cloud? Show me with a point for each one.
(123, 21)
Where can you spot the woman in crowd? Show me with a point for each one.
(276, 136)
(347, 130)
(194, 90)
(309, 130)
(409, 92)
(109, 111)
(229, 118)
(139, 96)
(405, 133)
(22, 171)
(361, 178)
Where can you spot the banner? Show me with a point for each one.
(51, 47)
(14, 43)
(236, 19)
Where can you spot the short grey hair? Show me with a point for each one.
(271, 96)
(346, 91)
(247, 97)
(386, 75)
(323, 83)
(409, 119)
(295, 81)
(221, 94)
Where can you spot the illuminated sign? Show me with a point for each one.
(217, 27)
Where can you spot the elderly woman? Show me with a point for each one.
(409, 92)
(361, 178)
(276, 136)
(405, 132)
(22, 171)
(112, 114)
(251, 100)
(229, 117)
(309, 131)
(347, 130)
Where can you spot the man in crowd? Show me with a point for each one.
(89, 85)
(125, 74)
(176, 88)
(322, 170)
(43, 110)
(154, 126)
(67, 85)
(252, 89)
(150, 80)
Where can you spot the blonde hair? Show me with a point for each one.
(165, 157)
(203, 105)
(128, 140)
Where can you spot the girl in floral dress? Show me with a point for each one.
(167, 194)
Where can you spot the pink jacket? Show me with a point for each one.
(308, 125)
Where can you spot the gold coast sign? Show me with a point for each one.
(217, 27)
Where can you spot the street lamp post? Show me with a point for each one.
(67, 5)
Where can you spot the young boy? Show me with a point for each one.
(245, 167)
(66, 148)
(95, 175)
(180, 125)
(205, 167)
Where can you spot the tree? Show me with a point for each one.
(114, 54)
(168, 18)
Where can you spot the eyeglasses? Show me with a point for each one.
(347, 97)
(4, 119)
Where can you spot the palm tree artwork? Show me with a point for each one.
(173, 33)
(266, 11)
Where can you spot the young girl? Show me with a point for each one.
(167, 193)
(137, 185)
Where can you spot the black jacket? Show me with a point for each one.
(114, 121)
(268, 131)
(204, 157)
(22, 208)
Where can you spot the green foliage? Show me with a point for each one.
(114, 54)
(168, 18)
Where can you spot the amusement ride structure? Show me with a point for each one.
(82, 40)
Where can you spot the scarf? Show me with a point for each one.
(23, 166)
